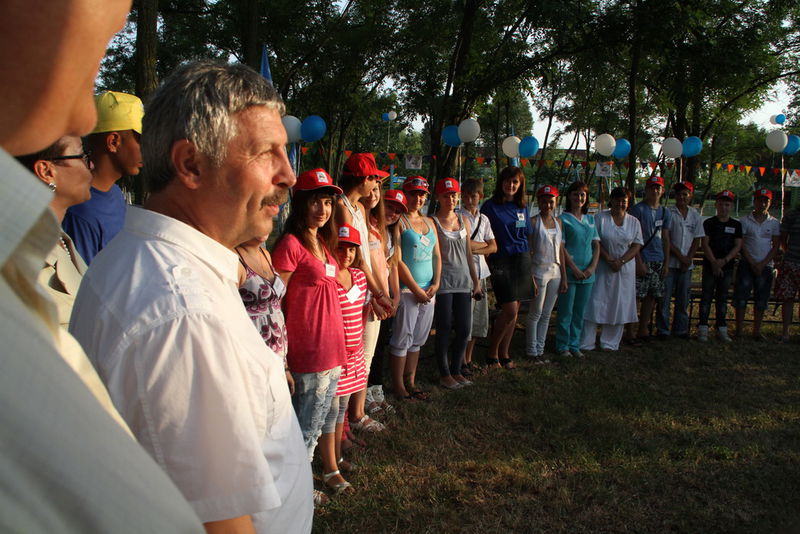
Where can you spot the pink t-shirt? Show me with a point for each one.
(314, 326)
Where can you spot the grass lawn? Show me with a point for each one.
(675, 436)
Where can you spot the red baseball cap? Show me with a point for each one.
(397, 196)
(763, 193)
(316, 179)
(349, 235)
(447, 185)
(654, 180)
(547, 190)
(684, 185)
(726, 195)
(362, 164)
(416, 183)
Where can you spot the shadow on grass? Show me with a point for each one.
(674, 437)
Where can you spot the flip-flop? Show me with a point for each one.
(507, 363)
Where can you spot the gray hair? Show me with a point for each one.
(197, 102)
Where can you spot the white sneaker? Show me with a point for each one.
(577, 353)
(702, 333)
(565, 354)
(722, 334)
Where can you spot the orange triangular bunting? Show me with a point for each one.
(392, 155)
(304, 149)
(347, 153)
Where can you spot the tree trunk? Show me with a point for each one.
(633, 74)
(248, 24)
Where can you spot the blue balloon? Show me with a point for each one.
(622, 149)
(313, 128)
(692, 146)
(528, 147)
(792, 146)
(385, 116)
(780, 118)
(450, 136)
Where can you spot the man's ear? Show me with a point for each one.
(113, 142)
(188, 162)
(45, 171)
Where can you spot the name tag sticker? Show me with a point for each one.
(462, 234)
(659, 223)
(425, 241)
(730, 230)
(521, 216)
(354, 293)
(330, 269)
(278, 287)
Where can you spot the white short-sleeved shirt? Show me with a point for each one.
(66, 464)
(483, 235)
(683, 231)
(160, 316)
(757, 236)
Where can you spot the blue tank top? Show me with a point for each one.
(418, 253)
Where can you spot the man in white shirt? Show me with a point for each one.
(761, 239)
(66, 465)
(159, 311)
(686, 232)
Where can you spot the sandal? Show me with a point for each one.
(339, 487)
(418, 394)
(320, 499)
(367, 424)
(507, 363)
(465, 371)
(492, 363)
(345, 466)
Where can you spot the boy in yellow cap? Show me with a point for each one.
(115, 152)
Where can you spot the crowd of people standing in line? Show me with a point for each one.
(192, 376)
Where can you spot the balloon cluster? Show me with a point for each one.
(467, 131)
(606, 145)
(389, 116)
(312, 129)
(780, 118)
(673, 148)
(778, 141)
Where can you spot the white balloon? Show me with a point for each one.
(672, 147)
(468, 130)
(772, 119)
(392, 115)
(777, 140)
(511, 146)
(292, 126)
(605, 144)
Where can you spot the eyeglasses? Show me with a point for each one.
(84, 157)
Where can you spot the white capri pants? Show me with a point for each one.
(610, 335)
(412, 325)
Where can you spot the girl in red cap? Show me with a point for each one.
(459, 284)
(303, 258)
(352, 291)
(420, 268)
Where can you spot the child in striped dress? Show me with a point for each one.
(352, 288)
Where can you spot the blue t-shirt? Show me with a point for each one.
(578, 237)
(510, 225)
(652, 221)
(94, 223)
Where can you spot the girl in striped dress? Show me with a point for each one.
(352, 288)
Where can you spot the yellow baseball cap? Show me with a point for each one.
(117, 112)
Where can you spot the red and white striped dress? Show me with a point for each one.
(354, 373)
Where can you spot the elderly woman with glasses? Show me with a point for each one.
(65, 168)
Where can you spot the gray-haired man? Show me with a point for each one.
(160, 314)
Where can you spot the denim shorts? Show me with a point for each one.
(312, 401)
(747, 283)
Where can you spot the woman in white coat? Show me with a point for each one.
(613, 301)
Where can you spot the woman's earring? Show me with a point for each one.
(52, 186)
